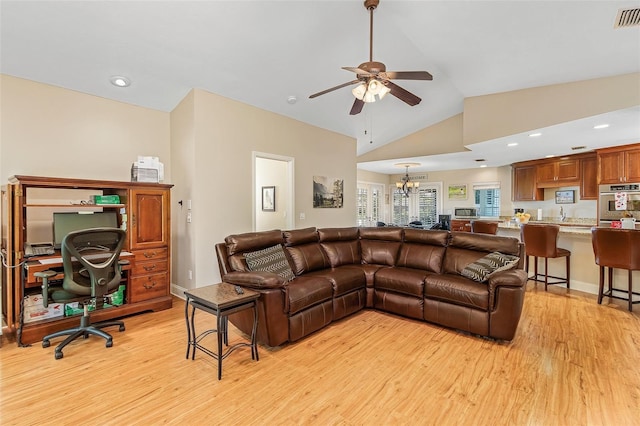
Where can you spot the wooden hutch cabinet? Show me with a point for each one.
(143, 211)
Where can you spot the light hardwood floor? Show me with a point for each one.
(572, 363)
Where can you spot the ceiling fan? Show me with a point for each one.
(374, 79)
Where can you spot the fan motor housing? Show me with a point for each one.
(373, 67)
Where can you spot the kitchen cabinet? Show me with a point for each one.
(619, 164)
(558, 173)
(589, 179)
(524, 184)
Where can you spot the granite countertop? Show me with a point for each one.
(578, 228)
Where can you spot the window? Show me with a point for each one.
(369, 204)
(487, 198)
(423, 206)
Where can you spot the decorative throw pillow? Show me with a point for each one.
(483, 268)
(271, 259)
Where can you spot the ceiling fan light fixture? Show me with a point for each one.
(369, 97)
(359, 91)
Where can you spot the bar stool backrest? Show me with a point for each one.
(616, 248)
(540, 240)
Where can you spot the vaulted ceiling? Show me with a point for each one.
(264, 52)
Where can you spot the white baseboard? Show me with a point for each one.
(178, 291)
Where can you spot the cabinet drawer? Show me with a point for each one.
(149, 267)
(150, 254)
(149, 286)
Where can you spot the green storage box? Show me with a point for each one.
(106, 199)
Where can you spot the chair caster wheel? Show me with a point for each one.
(46, 343)
(59, 355)
(121, 328)
(109, 343)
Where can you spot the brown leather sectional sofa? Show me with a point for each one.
(410, 272)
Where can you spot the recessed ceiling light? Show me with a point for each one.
(292, 100)
(120, 81)
(484, 165)
(549, 156)
(512, 144)
(601, 126)
(535, 135)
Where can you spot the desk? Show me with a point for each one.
(54, 263)
(220, 300)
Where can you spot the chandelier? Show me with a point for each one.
(406, 185)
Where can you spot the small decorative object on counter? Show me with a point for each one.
(522, 217)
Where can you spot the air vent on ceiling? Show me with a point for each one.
(576, 148)
(627, 18)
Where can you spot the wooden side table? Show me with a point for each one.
(220, 300)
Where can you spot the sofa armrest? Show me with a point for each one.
(255, 280)
(509, 278)
(512, 278)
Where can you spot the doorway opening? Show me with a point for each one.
(273, 192)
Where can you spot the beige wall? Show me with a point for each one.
(225, 133)
(503, 114)
(441, 138)
(50, 131)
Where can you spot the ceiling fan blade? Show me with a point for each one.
(360, 72)
(357, 107)
(315, 95)
(406, 75)
(403, 94)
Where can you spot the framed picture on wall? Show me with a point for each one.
(565, 197)
(268, 198)
(457, 192)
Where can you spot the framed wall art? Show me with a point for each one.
(268, 198)
(565, 197)
(457, 192)
(327, 192)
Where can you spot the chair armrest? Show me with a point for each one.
(256, 280)
(45, 275)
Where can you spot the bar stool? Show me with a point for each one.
(616, 248)
(484, 227)
(542, 241)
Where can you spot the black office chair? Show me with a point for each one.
(415, 224)
(92, 269)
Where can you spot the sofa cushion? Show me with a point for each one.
(342, 252)
(272, 259)
(252, 241)
(465, 248)
(300, 236)
(401, 280)
(338, 234)
(379, 252)
(456, 289)
(422, 256)
(483, 268)
(308, 258)
(344, 279)
(306, 291)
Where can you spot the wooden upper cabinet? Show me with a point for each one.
(619, 165)
(524, 184)
(589, 181)
(556, 173)
(149, 218)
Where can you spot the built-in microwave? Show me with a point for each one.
(465, 212)
(618, 201)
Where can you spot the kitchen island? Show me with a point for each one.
(585, 274)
